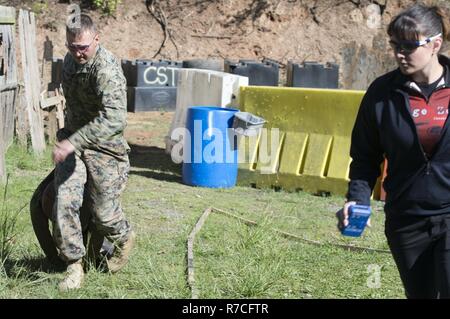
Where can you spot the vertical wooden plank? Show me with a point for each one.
(2, 119)
(11, 79)
(2, 153)
(9, 117)
(31, 79)
(60, 109)
(52, 125)
(8, 79)
(21, 118)
(8, 83)
(2, 160)
(5, 110)
(2, 102)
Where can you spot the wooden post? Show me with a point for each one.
(52, 125)
(60, 108)
(27, 30)
(21, 119)
(8, 82)
(2, 159)
(54, 106)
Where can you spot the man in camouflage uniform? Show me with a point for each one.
(91, 152)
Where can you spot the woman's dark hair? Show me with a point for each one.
(419, 20)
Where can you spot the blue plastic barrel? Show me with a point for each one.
(212, 161)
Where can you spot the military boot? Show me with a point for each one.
(74, 277)
(121, 254)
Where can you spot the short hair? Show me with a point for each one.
(79, 24)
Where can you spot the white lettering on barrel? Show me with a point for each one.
(160, 76)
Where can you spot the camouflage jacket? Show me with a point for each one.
(96, 104)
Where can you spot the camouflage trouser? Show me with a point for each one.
(104, 178)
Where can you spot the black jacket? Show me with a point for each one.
(384, 126)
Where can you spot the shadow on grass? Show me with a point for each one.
(159, 165)
(28, 267)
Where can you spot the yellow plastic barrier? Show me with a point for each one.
(311, 150)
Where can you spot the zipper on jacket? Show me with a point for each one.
(444, 127)
(407, 107)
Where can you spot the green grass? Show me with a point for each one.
(235, 260)
(232, 260)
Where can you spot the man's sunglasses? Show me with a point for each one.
(79, 47)
(411, 46)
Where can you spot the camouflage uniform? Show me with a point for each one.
(94, 123)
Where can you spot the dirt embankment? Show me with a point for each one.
(348, 32)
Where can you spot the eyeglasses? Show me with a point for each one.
(79, 47)
(408, 47)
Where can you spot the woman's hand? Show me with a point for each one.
(342, 216)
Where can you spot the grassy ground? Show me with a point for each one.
(232, 260)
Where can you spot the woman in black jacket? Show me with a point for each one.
(403, 117)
